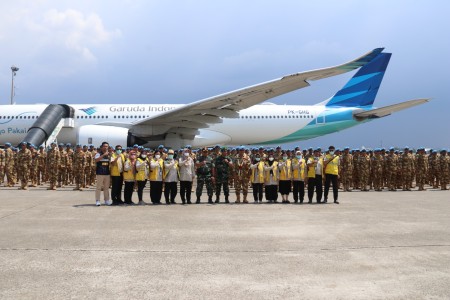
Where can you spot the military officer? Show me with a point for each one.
(204, 166)
(222, 170)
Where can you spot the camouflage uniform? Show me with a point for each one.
(356, 170)
(222, 173)
(242, 175)
(421, 169)
(24, 163)
(94, 166)
(53, 162)
(87, 168)
(443, 170)
(34, 168)
(9, 167)
(2, 166)
(364, 170)
(204, 166)
(62, 172)
(391, 171)
(79, 166)
(42, 170)
(69, 169)
(346, 169)
(407, 170)
(377, 170)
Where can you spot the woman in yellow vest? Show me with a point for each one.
(129, 177)
(298, 176)
(257, 178)
(331, 165)
(171, 175)
(315, 171)
(271, 178)
(142, 171)
(156, 178)
(284, 185)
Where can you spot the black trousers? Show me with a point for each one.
(315, 183)
(170, 191)
(271, 192)
(140, 191)
(298, 190)
(116, 188)
(257, 191)
(333, 179)
(128, 191)
(156, 191)
(185, 190)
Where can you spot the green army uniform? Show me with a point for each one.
(204, 166)
(222, 173)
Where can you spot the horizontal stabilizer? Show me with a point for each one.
(387, 110)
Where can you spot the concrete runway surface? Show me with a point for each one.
(375, 245)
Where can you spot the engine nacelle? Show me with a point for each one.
(96, 134)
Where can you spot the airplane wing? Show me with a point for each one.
(387, 110)
(188, 119)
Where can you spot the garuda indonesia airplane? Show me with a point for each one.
(234, 118)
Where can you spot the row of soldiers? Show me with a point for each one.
(59, 166)
(358, 169)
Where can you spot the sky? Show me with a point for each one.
(131, 51)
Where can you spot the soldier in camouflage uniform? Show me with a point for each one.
(391, 170)
(346, 169)
(79, 166)
(62, 169)
(2, 166)
(93, 165)
(53, 162)
(204, 166)
(443, 169)
(377, 170)
(356, 169)
(34, 166)
(242, 174)
(407, 169)
(69, 174)
(222, 171)
(364, 170)
(421, 168)
(9, 165)
(24, 164)
(42, 170)
(87, 167)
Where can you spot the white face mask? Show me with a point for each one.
(186, 153)
(331, 152)
(271, 158)
(143, 155)
(299, 156)
(170, 156)
(257, 158)
(284, 157)
(157, 156)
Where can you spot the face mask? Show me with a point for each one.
(157, 156)
(257, 159)
(331, 152)
(271, 158)
(118, 151)
(143, 155)
(284, 157)
(299, 156)
(170, 156)
(186, 153)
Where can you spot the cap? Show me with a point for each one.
(8, 144)
(170, 151)
(160, 146)
(204, 149)
(224, 149)
(68, 145)
(61, 145)
(135, 145)
(78, 145)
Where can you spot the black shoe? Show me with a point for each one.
(189, 202)
(301, 201)
(129, 203)
(217, 201)
(173, 202)
(295, 201)
(116, 203)
(325, 201)
(336, 202)
(310, 202)
(198, 201)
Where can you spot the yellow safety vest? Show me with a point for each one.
(114, 169)
(285, 171)
(332, 166)
(140, 175)
(275, 172)
(312, 168)
(128, 175)
(298, 173)
(154, 173)
(260, 173)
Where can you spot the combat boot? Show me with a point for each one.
(238, 198)
(226, 199)
(245, 199)
(210, 200)
(217, 199)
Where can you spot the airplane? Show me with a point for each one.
(240, 117)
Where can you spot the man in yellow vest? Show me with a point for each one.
(331, 166)
(298, 176)
(117, 163)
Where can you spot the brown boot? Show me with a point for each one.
(238, 198)
(245, 198)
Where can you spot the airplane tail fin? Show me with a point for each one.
(362, 88)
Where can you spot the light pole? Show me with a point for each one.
(14, 69)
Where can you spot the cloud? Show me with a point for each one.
(73, 31)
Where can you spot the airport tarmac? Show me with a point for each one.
(375, 245)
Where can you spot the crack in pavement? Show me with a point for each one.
(223, 251)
